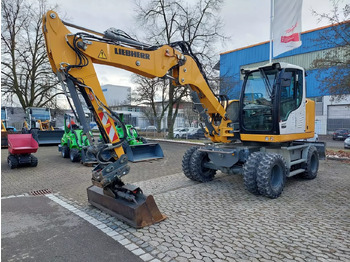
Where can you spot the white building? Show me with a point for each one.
(117, 95)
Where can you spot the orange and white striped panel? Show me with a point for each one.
(113, 136)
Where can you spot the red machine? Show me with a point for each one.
(20, 147)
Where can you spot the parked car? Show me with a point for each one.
(347, 143)
(151, 129)
(180, 132)
(197, 134)
(340, 134)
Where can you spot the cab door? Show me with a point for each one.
(292, 103)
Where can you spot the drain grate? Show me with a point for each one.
(40, 192)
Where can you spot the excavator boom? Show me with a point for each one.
(72, 57)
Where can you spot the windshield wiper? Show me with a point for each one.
(266, 82)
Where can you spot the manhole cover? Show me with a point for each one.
(40, 192)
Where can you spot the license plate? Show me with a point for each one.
(340, 137)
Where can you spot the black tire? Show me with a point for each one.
(186, 162)
(12, 161)
(177, 136)
(74, 155)
(33, 161)
(271, 175)
(311, 166)
(198, 171)
(249, 172)
(65, 151)
(143, 140)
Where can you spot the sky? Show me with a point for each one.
(247, 22)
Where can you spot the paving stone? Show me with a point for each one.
(146, 257)
(138, 251)
(131, 247)
(171, 253)
(214, 220)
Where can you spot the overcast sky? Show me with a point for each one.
(247, 22)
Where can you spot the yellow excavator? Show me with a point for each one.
(256, 135)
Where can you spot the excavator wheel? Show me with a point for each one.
(249, 172)
(311, 166)
(186, 162)
(74, 155)
(198, 171)
(271, 175)
(65, 151)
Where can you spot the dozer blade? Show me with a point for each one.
(50, 137)
(143, 212)
(144, 152)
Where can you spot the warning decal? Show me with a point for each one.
(102, 55)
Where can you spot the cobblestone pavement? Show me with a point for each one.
(215, 221)
(71, 179)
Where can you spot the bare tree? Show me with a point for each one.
(334, 65)
(167, 21)
(153, 93)
(230, 86)
(191, 117)
(26, 72)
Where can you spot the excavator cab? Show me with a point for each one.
(273, 103)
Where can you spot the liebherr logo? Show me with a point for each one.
(121, 51)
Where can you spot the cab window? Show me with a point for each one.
(291, 96)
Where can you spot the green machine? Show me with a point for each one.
(137, 148)
(74, 142)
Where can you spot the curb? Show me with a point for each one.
(337, 158)
(174, 141)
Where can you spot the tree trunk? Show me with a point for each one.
(170, 121)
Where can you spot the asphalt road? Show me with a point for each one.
(38, 229)
(332, 144)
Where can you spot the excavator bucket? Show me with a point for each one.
(87, 158)
(140, 213)
(48, 137)
(144, 152)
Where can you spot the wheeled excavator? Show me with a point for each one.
(255, 135)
